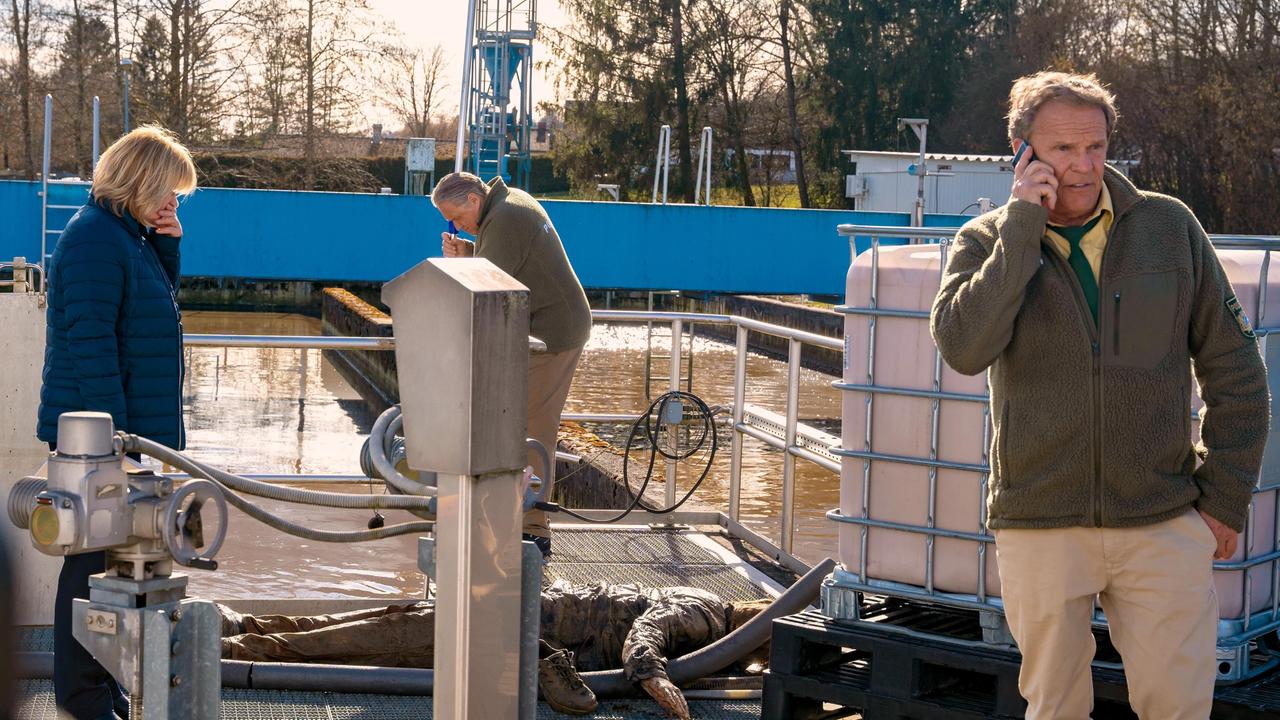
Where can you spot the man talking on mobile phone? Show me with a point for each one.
(1091, 302)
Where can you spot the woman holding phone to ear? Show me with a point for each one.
(114, 345)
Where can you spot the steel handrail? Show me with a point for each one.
(1220, 241)
(797, 338)
(850, 230)
(309, 342)
(348, 342)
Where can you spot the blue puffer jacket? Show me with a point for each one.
(114, 337)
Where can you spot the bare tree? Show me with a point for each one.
(785, 11)
(21, 16)
(413, 85)
(84, 69)
(203, 54)
(733, 32)
(272, 79)
(679, 69)
(336, 37)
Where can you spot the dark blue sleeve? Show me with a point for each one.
(168, 249)
(92, 280)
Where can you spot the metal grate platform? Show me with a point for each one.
(652, 558)
(36, 703)
(656, 557)
(633, 546)
(34, 639)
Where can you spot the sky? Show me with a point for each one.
(426, 23)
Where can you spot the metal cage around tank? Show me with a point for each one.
(843, 597)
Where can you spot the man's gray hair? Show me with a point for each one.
(1031, 92)
(455, 187)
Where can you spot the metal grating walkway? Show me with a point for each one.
(646, 556)
(652, 558)
(36, 703)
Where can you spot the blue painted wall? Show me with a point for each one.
(289, 235)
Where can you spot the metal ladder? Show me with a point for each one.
(70, 195)
(662, 353)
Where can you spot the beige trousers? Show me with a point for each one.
(1154, 583)
(550, 375)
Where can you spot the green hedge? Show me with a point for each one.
(229, 170)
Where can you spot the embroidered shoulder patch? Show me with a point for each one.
(1233, 304)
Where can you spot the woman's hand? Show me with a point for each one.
(165, 220)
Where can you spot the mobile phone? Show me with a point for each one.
(1024, 148)
(453, 229)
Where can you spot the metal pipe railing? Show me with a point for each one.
(301, 342)
(739, 399)
(743, 326)
(789, 441)
(677, 339)
(44, 182)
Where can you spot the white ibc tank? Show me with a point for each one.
(1244, 269)
(897, 353)
(903, 426)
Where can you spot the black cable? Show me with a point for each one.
(644, 425)
(586, 462)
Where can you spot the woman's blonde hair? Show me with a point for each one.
(139, 171)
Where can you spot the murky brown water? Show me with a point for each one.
(258, 410)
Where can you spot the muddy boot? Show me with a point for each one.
(562, 687)
(232, 621)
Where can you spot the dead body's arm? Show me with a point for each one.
(672, 626)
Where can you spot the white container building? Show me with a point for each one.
(884, 182)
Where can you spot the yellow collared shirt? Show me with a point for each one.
(1093, 243)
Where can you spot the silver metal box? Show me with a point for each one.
(420, 155)
(462, 352)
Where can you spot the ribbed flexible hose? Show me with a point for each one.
(134, 443)
(379, 435)
(22, 499)
(728, 649)
(335, 536)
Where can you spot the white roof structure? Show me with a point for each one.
(956, 157)
(960, 183)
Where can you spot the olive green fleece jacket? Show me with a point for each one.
(516, 235)
(1092, 424)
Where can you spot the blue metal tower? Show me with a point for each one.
(500, 117)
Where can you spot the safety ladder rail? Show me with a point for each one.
(46, 254)
(685, 351)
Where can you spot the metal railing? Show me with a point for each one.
(309, 342)
(798, 441)
(783, 432)
(20, 280)
(1237, 630)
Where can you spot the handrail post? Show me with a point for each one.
(739, 399)
(788, 458)
(662, 163)
(707, 179)
(677, 329)
(44, 183)
(97, 132)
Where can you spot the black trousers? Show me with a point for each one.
(82, 687)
